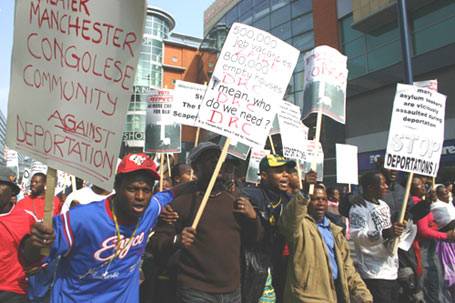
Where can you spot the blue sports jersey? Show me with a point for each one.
(86, 239)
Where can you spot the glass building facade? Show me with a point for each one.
(149, 74)
(291, 21)
(432, 27)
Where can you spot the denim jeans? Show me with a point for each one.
(190, 295)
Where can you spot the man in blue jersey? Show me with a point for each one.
(101, 243)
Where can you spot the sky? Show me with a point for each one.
(188, 17)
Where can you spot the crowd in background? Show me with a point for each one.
(265, 242)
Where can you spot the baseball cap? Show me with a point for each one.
(270, 161)
(135, 162)
(197, 151)
(5, 174)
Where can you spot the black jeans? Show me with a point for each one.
(190, 295)
(383, 291)
(11, 297)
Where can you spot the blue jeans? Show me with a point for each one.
(190, 295)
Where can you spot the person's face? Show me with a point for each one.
(205, 165)
(5, 196)
(379, 189)
(418, 187)
(336, 195)
(186, 176)
(37, 185)
(443, 194)
(318, 204)
(134, 195)
(276, 178)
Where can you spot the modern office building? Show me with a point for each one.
(158, 25)
(367, 32)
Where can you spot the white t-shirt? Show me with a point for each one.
(84, 195)
(374, 257)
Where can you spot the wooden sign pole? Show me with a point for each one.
(161, 171)
(168, 165)
(316, 139)
(208, 191)
(404, 206)
(51, 180)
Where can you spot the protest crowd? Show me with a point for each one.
(205, 225)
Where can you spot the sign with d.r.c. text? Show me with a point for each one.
(250, 78)
(73, 67)
(416, 130)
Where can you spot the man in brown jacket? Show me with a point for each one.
(320, 268)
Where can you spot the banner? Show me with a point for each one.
(73, 67)
(293, 132)
(347, 164)
(162, 133)
(326, 77)
(250, 78)
(187, 101)
(313, 150)
(416, 130)
(252, 173)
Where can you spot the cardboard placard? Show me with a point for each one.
(326, 77)
(250, 78)
(73, 68)
(416, 130)
(162, 133)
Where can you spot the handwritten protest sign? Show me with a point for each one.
(347, 164)
(250, 77)
(162, 134)
(63, 181)
(325, 81)
(313, 153)
(187, 100)
(25, 183)
(416, 130)
(252, 173)
(73, 67)
(38, 167)
(293, 132)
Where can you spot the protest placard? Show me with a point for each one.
(187, 101)
(347, 164)
(416, 130)
(63, 181)
(25, 183)
(236, 149)
(38, 167)
(313, 154)
(73, 67)
(293, 132)
(11, 157)
(250, 78)
(252, 173)
(325, 81)
(162, 133)
(430, 84)
(275, 127)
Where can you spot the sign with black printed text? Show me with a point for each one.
(416, 130)
(187, 101)
(162, 133)
(293, 132)
(250, 78)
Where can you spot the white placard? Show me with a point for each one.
(347, 164)
(162, 133)
(293, 132)
(250, 78)
(416, 130)
(73, 67)
(252, 173)
(187, 101)
(12, 158)
(313, 152)
(326, 78)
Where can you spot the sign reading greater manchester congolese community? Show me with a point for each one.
(73, 67)
(250, 78)
(416, 130)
